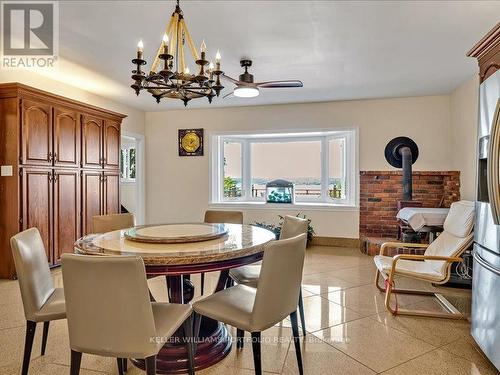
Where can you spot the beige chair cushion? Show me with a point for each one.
(41, 301)
(168, 318)
(249, 275)
(276, 296)
(407, 268)
(108, 307)
(460, 220)
(232, 306)
(230, 217)
(54, 308)
(109, 223)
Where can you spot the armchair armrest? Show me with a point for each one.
(386, 245)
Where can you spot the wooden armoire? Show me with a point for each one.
(60, 166)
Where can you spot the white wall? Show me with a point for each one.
(177, 187)
(464, 114)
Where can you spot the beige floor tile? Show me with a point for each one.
(440, 362)
(321, 358)
(10, 296)
(321, 313)
(374, 344)
(275, 343)
(12, 316)
(466, 348)
(323, 283)
(435, 331)
(357, 275)
(367, 299)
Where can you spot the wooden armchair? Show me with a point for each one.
(433, 266)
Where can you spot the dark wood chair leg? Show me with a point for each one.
(28, 345)
(151, 365)
(296, 340)
(189, 337)
(197, 325)
(120, 365)
(256, 336)
(202, 283)
(240, 338)
(301, 311)
(76, 360)
(125, 367)
(44, 336)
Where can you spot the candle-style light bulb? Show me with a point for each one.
(186, 70)
(203, 47)
(217, 60)
(140, 49)
(211, 66)
(165, 43)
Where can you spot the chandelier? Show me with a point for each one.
(169, 76)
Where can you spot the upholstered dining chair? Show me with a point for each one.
(41, 301)
(96, 289)
(434, 266)
(249, 275)
(215, 216)
(257, 309)
(108, 223)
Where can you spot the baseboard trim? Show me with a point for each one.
(335, 241)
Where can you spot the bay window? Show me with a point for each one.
(320, 164)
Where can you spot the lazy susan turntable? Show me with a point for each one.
(176, 233)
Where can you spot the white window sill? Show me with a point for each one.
(306, 206)
(127, 182)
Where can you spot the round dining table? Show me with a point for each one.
(237, 245)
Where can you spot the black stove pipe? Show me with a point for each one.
(407, 173)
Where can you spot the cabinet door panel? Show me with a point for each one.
(111, 193)
(92, 142)
(36, 133)
(92, 198)
(66, 138)
(66, 211)
(111, 145)
(37, 204)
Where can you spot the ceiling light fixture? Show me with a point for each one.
(246, 92)
(174, 80)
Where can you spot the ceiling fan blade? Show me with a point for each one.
(280, 84)
(235, 81)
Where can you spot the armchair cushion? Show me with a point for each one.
(460, 219)
(409, 268)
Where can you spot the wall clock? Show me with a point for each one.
(190, 142)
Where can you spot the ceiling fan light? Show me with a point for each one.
(246, 92)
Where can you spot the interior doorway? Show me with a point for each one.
(132, 175)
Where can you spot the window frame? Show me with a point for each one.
(126, 166)
(350, 165)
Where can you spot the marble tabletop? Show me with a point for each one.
(240, 241)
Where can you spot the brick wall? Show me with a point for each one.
(381, 190)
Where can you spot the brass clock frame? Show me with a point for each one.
(192, 146)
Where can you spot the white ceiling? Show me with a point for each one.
(340, 50)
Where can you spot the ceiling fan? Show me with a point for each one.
(247, 88)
